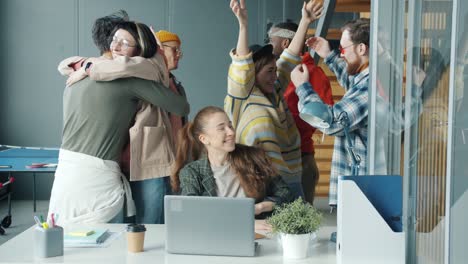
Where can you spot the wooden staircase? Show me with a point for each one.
(324, 149)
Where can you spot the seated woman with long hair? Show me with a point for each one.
(220, 167)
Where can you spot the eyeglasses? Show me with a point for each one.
(342, 49)
(124, 45)
(175, 50)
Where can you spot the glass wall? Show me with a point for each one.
(411, 112)
(387, 72)
(458, 182)
(429, 39)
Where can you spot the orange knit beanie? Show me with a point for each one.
(165, 36)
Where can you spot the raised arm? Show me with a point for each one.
(311, 11)
(241, 75)
(240, 11)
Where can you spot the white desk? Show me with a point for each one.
(21, 250)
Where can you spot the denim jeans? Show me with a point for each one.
(310, 176)
(119, 218)
(149, 199)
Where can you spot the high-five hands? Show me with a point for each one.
(312, 10)
(239, 9)
(300, 75)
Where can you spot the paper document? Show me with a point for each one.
(110, 236)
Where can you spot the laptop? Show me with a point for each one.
(209, 225)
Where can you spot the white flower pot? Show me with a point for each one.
(295, 246)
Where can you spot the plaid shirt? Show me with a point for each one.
(197, 179)
(355, 104)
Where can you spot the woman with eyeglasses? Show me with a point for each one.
(149, 182)
(255, 102)
(148, 157)
(88, 184)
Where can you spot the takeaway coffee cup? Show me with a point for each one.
(135, 237)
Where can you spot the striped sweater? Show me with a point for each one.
(264, 121)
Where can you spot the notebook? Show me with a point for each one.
(96, 236)
(209, 225)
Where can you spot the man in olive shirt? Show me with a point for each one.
(97, 115)
(88, 186)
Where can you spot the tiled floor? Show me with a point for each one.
(22, 215)
(329, 218)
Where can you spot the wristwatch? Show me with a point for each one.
(88, 65)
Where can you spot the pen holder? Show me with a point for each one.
(48, 242)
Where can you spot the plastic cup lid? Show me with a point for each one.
(136, 228)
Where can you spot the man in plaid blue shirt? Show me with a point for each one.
(351, 67)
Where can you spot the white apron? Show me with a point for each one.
(87, 189)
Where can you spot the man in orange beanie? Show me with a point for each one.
(170, 44)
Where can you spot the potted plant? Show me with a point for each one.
(295, 222)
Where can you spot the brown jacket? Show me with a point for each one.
(152, 152)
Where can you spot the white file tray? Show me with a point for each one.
(363, 236)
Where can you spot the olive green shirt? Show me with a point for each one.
(97, 115)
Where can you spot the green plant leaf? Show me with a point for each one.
(297, 217)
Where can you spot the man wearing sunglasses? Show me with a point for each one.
(351, 67)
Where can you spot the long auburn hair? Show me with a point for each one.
(251, 164)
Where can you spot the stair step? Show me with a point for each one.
(352, 6)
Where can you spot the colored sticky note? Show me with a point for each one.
(81, 233)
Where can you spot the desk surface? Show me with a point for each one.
(18, 158)
(21, 250)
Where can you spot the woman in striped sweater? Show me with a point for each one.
(254, 101)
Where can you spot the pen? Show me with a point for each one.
(5, 166)
(38, 222)
(49, 222)
(52, 219)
